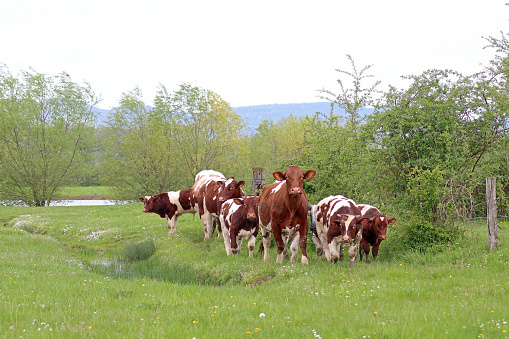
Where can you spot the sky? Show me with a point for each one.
(248, 52)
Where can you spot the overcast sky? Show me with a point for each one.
(248, 52)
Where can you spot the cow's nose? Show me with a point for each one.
(346, 238)
(382, 237)
(251, 216)
(295, 191)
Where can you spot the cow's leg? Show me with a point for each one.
(294, 246)
(239, 244)
(318, 246)
(340, 247)
(333, 249)
(325, 246)
(172, 225)
(227, 241)
(280, 246)
(364, 250)
(352, 251)
(266, 243)
(219, 227)
(375, 250)
(210, 226)
(303, 242)
(205, 221)
(251, 245)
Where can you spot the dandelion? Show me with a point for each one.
(375, 313)
(254, 304)
(248, 332)
(89, 327)
(195, 321)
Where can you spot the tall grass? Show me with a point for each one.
(71, 279)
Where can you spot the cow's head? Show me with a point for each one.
(230, 189)
(380, 224)
(148, 203)
(155, 204)
(350, 226)
(251, 208)
(294, 177)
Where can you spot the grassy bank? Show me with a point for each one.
(63, 273)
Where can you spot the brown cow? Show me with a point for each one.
(239, 220)
(210, 190)
(283, 209)
(374, 232)
(169, 205)
(338, 222)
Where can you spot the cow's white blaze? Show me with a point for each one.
(278, 187)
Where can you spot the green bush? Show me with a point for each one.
(141, 250)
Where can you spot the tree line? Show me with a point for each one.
(421, 155)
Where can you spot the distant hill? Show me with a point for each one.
(256, 114)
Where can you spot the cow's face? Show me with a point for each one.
(230, 189)
(356, 226)
(294, 177)
(251, 207)
(380, 226)
(149, 203)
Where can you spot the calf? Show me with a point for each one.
(374, 231)
(209, 191)
(169, 205)
(338, 222)
(239, 220)
(283, 209)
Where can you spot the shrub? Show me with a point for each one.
(141, 250)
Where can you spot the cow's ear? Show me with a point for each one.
(221, 184)
(238, 201)
(241, 183)
(141, 199)
(391, 221)
(309, 174)
(278, 176)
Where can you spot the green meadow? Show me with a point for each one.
(65, 273)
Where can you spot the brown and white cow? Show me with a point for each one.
(239, 221)
(338, 222)
(283, 209)
(169, 205)
(374, 231)
(209, 191)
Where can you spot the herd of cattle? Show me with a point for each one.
(281, 209)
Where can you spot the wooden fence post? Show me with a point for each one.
(258, 179)
(491, 202)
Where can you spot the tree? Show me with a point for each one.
(337, 150)
(352, 99)
(276, 146)
(443, 118)
(139, 158)
(204, 129)
(46, 124)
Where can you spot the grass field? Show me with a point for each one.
(63, 274)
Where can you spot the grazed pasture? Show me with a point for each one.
(62, 275)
